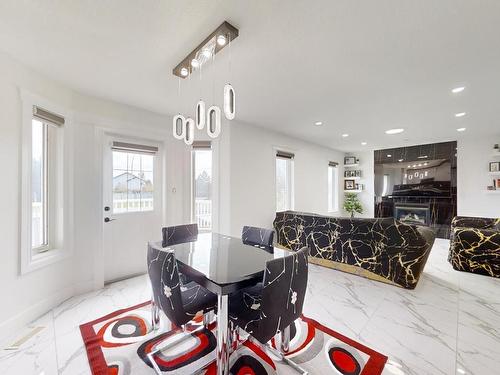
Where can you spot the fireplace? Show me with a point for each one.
(413, 213)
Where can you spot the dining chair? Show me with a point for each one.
(179, 234)
(258, 237)
(270, 308)
(180, 303)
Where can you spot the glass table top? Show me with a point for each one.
(223, 259)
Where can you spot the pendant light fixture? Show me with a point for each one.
(189, 133)
(229, 102)
(213, 121)
(200, 114)
(184, 128)
(179, 127)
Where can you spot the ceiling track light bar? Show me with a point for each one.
(225, 30)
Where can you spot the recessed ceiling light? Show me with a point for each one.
(461, 129)
(221, 40)
(184, 72)
(414, 166)
(426, 163)
(318, 123)
(409, 166)
(420, 165)
(394, 131)
(345, 135)
(456, 90)
(460, 114)
(363, 143)
(423, 157)
(389, 155)
(401, 160)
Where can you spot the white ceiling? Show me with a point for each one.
(361, 67)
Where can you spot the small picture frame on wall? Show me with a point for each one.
(349, 185)
(349, 160)
(357, 174)
(495, 166)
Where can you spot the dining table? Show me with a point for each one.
(223, 265)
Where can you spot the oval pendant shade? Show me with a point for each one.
(200, 114)
(179, 127)
(229, 102)
(213, 121)
(189, 134)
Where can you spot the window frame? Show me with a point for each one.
(291, 179)
(333, 189)
(60, 218)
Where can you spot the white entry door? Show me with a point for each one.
(132, 211)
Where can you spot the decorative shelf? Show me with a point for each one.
(358, 191)
(351, 165)
(492, 191)
(494, 173)
(357, 178)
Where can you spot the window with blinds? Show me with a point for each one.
(284, 181)
(46, 161)
(333, 187)
(133, 177)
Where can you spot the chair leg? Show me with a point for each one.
(285, 340)
(155, 315)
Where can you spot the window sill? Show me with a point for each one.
(44, 259)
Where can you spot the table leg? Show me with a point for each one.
(222, 336)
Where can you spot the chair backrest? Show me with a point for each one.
(258, 237)
(179, 234)
(283, 293)
(164, 276)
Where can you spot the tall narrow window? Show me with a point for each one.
(39, 186)
(46, 180)
(202, 185)
(133, 177)
(333, 184)
(284, 181)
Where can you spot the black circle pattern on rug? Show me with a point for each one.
(343, 361)
(136, 325)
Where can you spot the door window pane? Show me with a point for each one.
(39, 177)
(133, 187)
(202, 188)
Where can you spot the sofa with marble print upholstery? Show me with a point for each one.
(382, 249)
(475, 245)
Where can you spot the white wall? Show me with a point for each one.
(474, 155)
(26, 296)
(248, 197)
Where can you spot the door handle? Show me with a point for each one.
(107, 219)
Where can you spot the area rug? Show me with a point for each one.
(118, 344)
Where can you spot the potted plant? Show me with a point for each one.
(352, 204)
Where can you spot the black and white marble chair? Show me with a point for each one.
(258, 237)
(180, 303)
(179, 234)
(270, 308)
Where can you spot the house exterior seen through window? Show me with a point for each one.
(133, 182)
